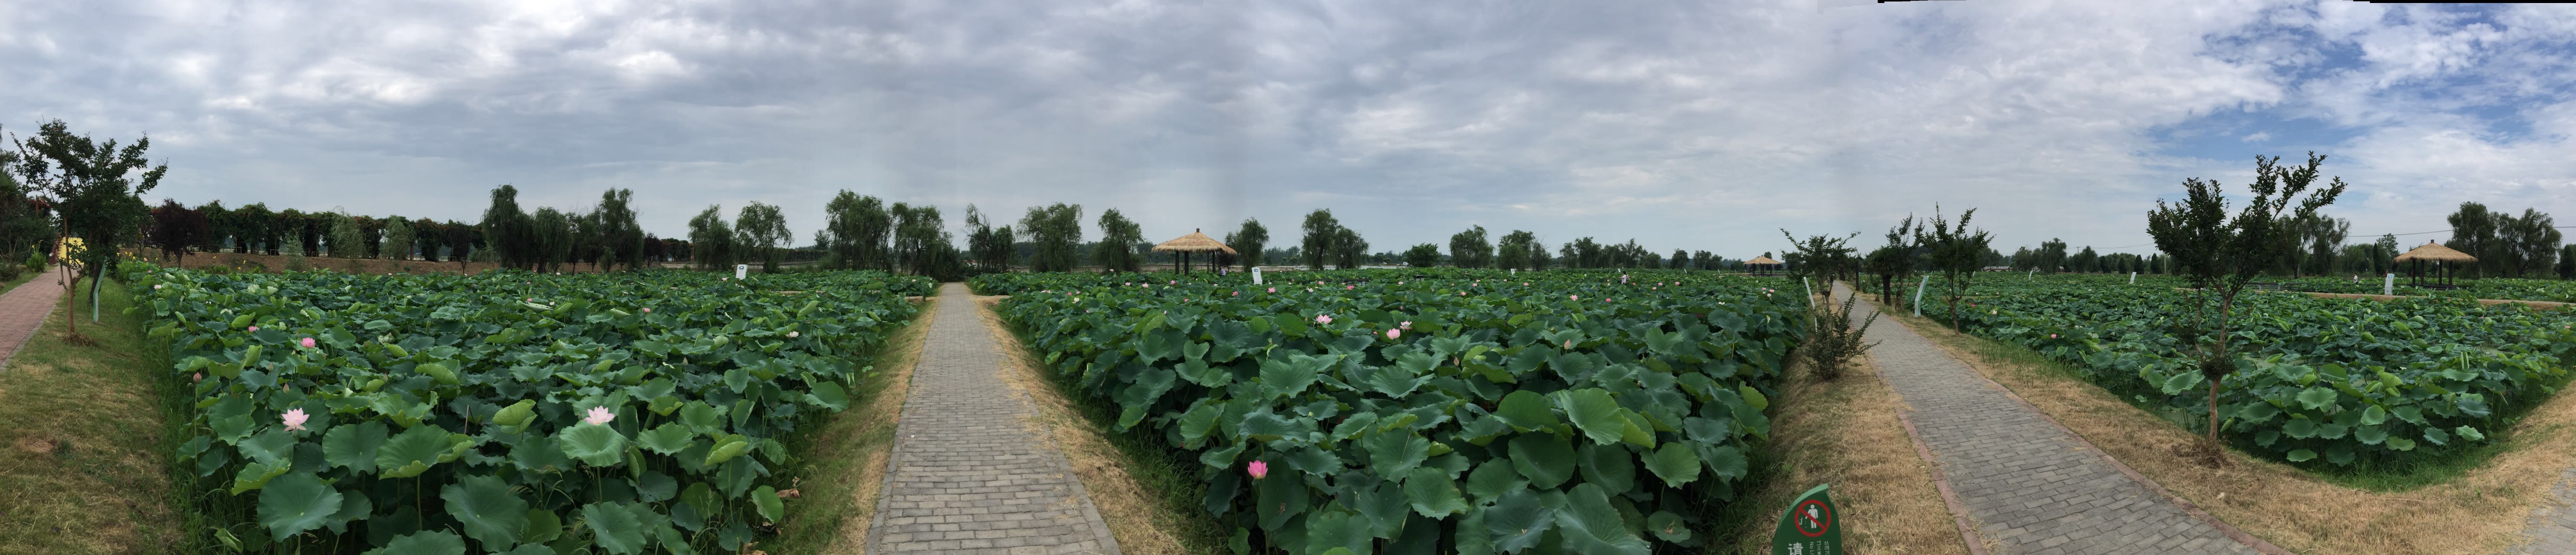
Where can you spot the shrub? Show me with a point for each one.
(1832, 341)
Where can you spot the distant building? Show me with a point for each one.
(1996, 268)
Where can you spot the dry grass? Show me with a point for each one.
(1845, 432)
(2481, 510)
(85, 467)
(843, 464)
(1142, 518)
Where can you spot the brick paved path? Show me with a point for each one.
(2553, 525)
(23, 310)
(970, 473)
(2028, 483)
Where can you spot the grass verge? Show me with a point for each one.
(844, 458)
(2477, 504)
(84, 455)
(1149, 498)
(1842, 432)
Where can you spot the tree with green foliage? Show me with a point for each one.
(1349, 250)
(2219, 254)
(2473, 231)
(1321, 229)
(1517, 250)
(1422, 256)
(1894, 262)
(2529, 242)
(399, 239)
(711, 240)
(860, 228)
(347, 241)
(1247, 241)
(22, 227)
(507, 230)
(551, 239)
(1055, 235)
(1955, 252)
(219, 224)
(1118, 238)
(620, 235)
(991, 246)
(1468, 249)
(919, 234)
(760, 232)
(98, 191)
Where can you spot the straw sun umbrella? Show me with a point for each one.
(2435, 252)
(1762, 260)
(1194, 242)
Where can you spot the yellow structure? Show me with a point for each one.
(64, 250)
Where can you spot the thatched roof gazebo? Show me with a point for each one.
(1765, 261)
(2435, 252)
(1194, 242)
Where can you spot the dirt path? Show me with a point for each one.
(969, 475)
(23, 310)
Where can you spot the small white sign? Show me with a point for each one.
(741, 270)
(1256, 275)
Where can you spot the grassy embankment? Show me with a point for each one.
(84, 459)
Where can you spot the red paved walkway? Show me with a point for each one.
(23, 310)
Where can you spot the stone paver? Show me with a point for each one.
(23, 310)
(2553, 525)
(969, 474)
(2027, 483)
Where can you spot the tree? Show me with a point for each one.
(1822, 256)
(1702, 260)
(1422, 256)
(399, 238)
(1249, 240)
(760, 231)
(1893, 261)
(551, 239)
(2530, 242)
(2473, 231)
(1955, 252)
(620, 236)
(176, 228)
(2567, 262)
(2219, 254)
(919, 234)
(22, 226)
(2323, 234)
(1516, 250)
(1349, 250)
(1468, 249)
(218, 225)
(711, 239)
(98, 189)
(1321, 229)
(1118, 238)
(1681, 259)
(990, 245)
(2384, 254)
(1055, 233)
(347, 241)
(2051, 256)
(507, 231)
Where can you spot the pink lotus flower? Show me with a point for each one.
(308, 343)
(1462, 293)
(1236, 294)
(1349, 287)
(198, 377)
(2052, 336)
(648, 310)
(1257, 469)
(1573, 298)
(156, 287)
(1175, 282)
(294, 420)
(1274, 289)
(254, 328)
(1322, 319)
(1407, 324)
(599, 415)
(1569, 343)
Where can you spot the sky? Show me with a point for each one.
(1681, 125)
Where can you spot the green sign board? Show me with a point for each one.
(1811, 526)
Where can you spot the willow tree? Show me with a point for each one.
(1056, 233)
(760, 231)
(711, 240)
(2219, 254)
(1118, 238)
(1468, 249)
(1248, 240)
(1321, 229)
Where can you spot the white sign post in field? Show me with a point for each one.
(1256, 275)
(741, 270)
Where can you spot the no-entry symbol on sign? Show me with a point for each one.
(1809, 526)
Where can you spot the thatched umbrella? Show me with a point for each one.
(1194, 242)
(1762, 260)
(2435, 252)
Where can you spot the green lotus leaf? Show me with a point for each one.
(1674, 463)
(617, 527)
(1492, 479)
(1281, 496)
(1609, 466)
(726, 451)
(1546, 459)
(1393, 453)
(1384, 506)
(296, 503)
(2302, 455)
(517, 414)
(1517, 521)
(1594, 412)
(1668, 526)
(766, 499)
(256, 475)
(487, 510)
(2469, 433)
(433, 542)
(666, 439)
(413, 451)
(1329, 531)
(1432, 493)
(543, 526)
(354, 446)
(1593, 525)
(595, 445)
(1526, 411)
(2316, 398)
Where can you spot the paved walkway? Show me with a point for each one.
(971, 472)
(2031, 486)
(2553, 525)
(23, 311)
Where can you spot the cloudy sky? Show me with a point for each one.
(1698, 125)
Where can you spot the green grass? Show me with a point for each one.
(832, 460)
(84, 459)
(1180, 510)
(2366, 475)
